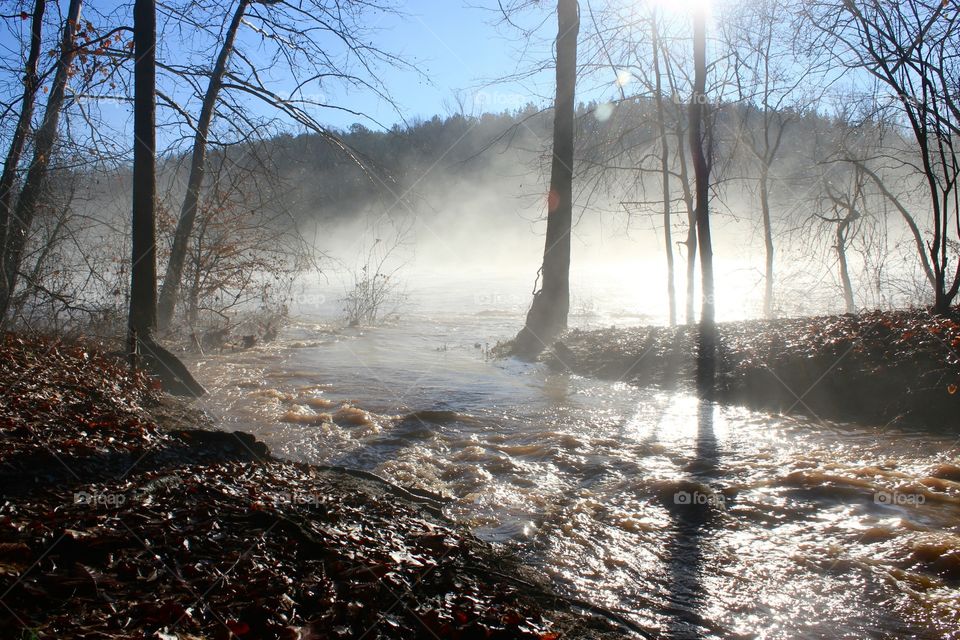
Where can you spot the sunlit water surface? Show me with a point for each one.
(792, 534)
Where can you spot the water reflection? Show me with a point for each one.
(695, 507)
(777, 534)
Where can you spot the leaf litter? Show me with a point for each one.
(222, 546)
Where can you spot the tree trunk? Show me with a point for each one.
(767, 241)
(707, 336)
(170, 290)
(193, 298)
(701, 168)
(31, 83)
(691, 240)
(841, 247)
(193, 304)
(665, 173)
(941, 304)
(904, 213)
(144, 349)
(551, 304)
(143, 273)
(33, 186)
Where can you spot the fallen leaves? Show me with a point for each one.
(217, 548)
(875, 366)
(201, 560)
(65, 399)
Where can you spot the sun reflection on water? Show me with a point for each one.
(779, 534)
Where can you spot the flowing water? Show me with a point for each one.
(697, 520)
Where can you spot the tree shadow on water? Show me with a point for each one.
(694, 508)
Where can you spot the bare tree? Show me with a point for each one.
(910, 48)
(19, 222)
(245, 250)
(876, 148)
(374, 290)
(143, 272)
(143, 269)
(680, 131)
(188, 212)
(768, 72)
(664, 164)
(846, 209)
(31, 83)
(297, 37)
(551, 303)
(701, 165)
(658, 135)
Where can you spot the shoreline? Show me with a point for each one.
(127, 513)
(876, 368)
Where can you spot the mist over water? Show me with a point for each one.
(450, 265)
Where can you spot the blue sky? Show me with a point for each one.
(455, 48)
(461, 51)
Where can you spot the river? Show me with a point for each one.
(696, 520)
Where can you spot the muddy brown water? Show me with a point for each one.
(697, 520)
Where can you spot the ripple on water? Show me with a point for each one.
(700, 521)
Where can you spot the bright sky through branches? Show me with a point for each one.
(683, 7)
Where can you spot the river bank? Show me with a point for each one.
(876, 368)
(126, 514)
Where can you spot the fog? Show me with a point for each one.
(463, 215)
(392, 319)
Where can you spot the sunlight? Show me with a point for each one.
(589, 319)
